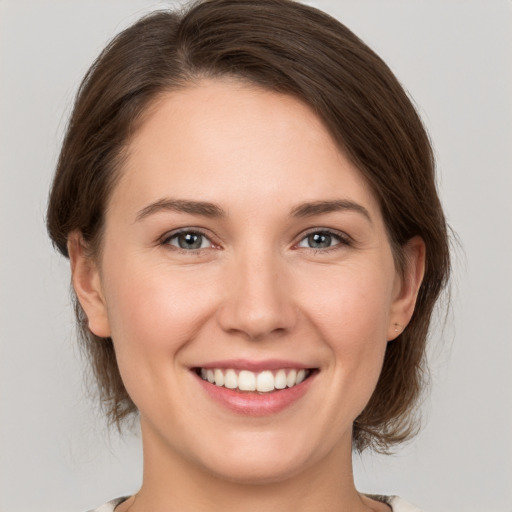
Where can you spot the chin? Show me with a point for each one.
(265, 459)
(256, 472)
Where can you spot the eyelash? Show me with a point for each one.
(186, 231)
(342, 239)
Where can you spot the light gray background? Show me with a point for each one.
(455, 59)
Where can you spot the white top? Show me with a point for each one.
(396, 503)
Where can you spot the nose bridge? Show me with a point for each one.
(258, 301)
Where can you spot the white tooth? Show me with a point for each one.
(231, 379)
(210, 376)
(246, 381)
(280, 379)
(301, 375)
(265, 381)
(219, 377)
(203, 373)
(291, 378)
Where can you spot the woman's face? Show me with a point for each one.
(241, 245)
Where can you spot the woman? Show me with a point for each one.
(247, 199)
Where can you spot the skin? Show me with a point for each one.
(255, 290)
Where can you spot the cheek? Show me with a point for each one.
(352, 317)
(154, 307)
(153, 315)
(352, 306)
(155, 312)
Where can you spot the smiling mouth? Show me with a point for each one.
(245, 381)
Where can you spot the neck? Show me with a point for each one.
(173, 483)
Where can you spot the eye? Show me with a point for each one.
(188, 240)
(322, 240)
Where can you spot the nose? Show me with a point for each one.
(258, 301)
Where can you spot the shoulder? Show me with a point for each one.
(109, 506)
(396, 503)
(400, 505)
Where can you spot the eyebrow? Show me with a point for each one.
(202, 208)
(320, 207)
(211, 210)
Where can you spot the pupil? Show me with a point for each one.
(319, 240)
(189, 241)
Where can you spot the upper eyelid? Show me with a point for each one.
(175, 232)
(336, 232)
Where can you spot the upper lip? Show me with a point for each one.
(254, 366)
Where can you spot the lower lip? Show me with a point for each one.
(254, 403)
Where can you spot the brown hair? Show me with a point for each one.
(289, 48)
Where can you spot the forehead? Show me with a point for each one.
(231, 140)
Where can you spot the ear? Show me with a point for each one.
(407, 287)
(86, 281)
